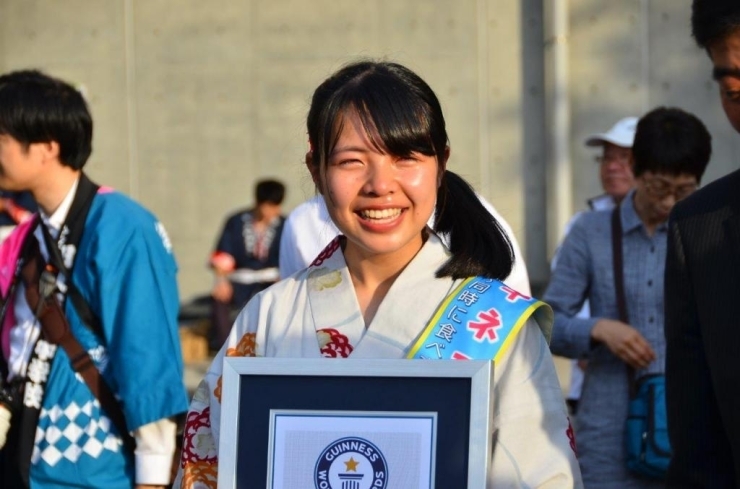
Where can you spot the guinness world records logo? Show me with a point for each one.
(351, 463)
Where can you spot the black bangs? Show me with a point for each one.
(398, 117)
(399, 120)
(399, 111)
(672, 141)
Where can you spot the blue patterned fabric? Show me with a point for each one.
(584, 271)
(72, 432)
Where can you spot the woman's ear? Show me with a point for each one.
(314, 171)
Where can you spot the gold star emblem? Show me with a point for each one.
(351, 465)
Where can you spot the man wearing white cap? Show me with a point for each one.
(616, 180)
(616, 173)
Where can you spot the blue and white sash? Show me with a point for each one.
(478, 321)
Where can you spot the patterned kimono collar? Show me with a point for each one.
(407, 307)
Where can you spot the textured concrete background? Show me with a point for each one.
(194, 101)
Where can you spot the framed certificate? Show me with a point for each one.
(355, 423)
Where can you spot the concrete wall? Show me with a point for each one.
(631, 56)
(194, 101)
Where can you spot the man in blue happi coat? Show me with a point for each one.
(106, 264)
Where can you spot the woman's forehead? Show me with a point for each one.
(350, 122)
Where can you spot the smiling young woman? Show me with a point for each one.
(378, 156)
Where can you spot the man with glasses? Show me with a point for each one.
(614, 162)
(702, 288)
(670, 153)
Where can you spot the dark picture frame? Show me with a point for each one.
(459, 392)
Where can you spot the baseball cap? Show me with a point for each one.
(621, 134)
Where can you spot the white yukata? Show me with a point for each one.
(315, 313)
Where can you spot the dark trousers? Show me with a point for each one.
(222, 317)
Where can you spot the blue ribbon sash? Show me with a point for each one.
(479, 320)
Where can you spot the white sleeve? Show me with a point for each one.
(306, 232)
(289, 257)
(534, 442)
(155, 446)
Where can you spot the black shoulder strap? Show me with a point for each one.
(71, 234)
(618, 260)
(618, 264)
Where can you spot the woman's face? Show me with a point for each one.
(380, 202)
(657, 193)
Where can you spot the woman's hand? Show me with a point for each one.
(624, 341)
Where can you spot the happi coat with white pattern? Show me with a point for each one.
(315, 313)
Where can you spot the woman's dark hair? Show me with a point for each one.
(673, 141)
(395, 105)
(713, 20)
(36, 108)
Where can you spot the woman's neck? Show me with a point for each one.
(372, 279)
(374, 274)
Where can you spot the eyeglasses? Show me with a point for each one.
(660, 189)
(607, 159)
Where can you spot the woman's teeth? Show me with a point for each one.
(380, 214)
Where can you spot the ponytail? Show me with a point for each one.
(478, 244)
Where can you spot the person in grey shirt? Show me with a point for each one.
(615, 171)
(670, 153)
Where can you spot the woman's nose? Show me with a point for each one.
(380, 179)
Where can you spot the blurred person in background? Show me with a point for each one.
(91, 369)
(617, 180)
(702, 287)
(307, 230)
(670, 153)
(245, 260)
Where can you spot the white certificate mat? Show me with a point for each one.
(351, 449)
